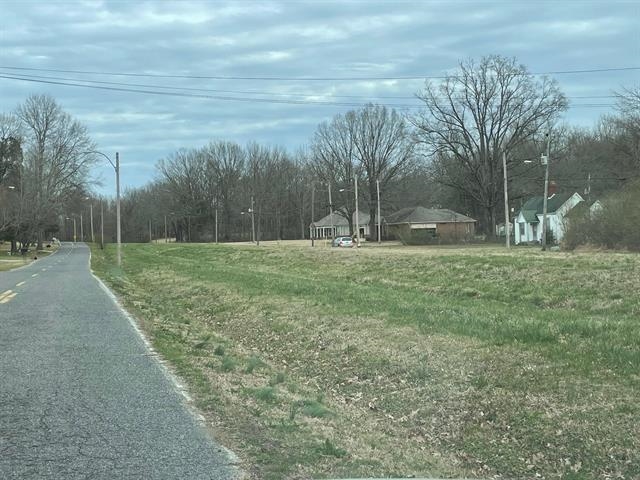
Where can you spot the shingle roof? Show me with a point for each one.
(426, 215)
(536, 204)
(340, 220)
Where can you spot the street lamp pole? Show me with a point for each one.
(93, 240)
(116, 167)
(506, 199)
(74, 229)
(546, 193)
(81, 228)
(101, 225)
(355, 179)
(253, 222)
(378, 192)
(333, 228)
(118, 230)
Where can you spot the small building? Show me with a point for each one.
(529, 219)
(420, 225)
(322, 228)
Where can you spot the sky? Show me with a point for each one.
(181, 74)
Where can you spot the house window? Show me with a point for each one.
(521, 229)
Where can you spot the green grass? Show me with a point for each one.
(419, 361)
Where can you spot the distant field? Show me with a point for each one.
(9, 262)
(393, 361)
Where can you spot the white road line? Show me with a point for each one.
(34, 275)
(5, 294)
(20, 284)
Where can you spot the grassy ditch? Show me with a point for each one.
(400, 361)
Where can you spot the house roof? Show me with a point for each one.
(535, 205)
(340, 220)
(427, 215)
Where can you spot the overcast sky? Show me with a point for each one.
(328, 56)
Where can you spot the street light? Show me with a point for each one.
(355, 181)
(253, 224)
(116, 167)
(74, 227)
(545, 161)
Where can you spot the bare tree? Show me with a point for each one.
(475, 115)
(56, 159)
(384, 147)
(373, 142)
(225, 167)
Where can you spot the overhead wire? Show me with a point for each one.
(144, 89)
(253, 92)
(292, 78)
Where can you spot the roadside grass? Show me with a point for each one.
(9, 262)
(400, 361)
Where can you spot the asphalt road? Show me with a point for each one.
(81, 396)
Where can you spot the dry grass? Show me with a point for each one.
(392, 361)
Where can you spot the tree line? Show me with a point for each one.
(448, 155)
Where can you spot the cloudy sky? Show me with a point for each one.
(179, 74)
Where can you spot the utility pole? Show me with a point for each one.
(333, 228)
(355, 179)
(506, 200)
(150, 235)
(313, 203)
(101, 226)
(166, 238)
(118, 230)
(216, 224)
(81, 228)
(545, 161)
(253, 223)
(74, 229)
(93, 240)
(378, 192)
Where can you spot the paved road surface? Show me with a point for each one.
(80, 394)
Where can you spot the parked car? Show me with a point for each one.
(342, 242)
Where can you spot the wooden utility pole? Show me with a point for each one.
(546, 194)
(166, 238)
(93, 240)
(506, 200)
(216, 224)
(313, 203)
(333, 228)
(253, 222)
(378, 192)
(355, 179)
(150, 235)
(101, 225)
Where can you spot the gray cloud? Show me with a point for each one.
(291, 39)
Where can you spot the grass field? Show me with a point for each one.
(471, 362)
(8, 262)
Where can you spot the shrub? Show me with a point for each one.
(617, 225)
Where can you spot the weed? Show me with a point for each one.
(265, 394)
(329, 449)
(228, 364)
(277, 379)
(254, 363)
(219, 350)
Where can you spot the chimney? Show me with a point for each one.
(553, 188)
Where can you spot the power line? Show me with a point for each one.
(285, 78)
(252, 92)
(194, 95)
(239, 99)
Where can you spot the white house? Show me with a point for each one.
(323, 228)
(528, 222)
